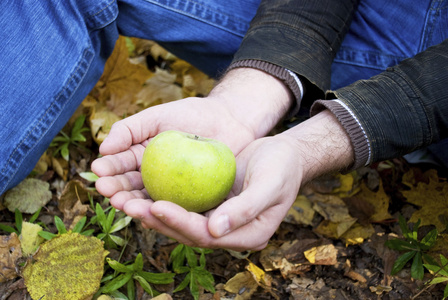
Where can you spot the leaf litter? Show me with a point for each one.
(331, 244)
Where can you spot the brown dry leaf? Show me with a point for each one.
(193, 81)
(330, 207)
(10, 252)
(288, 258)
(121, 78)
(432, 198)
(161, 88)
(301, 212)
(379, 200)
(70, 202)
(243, 285)
(101, 121)
(334, 230)
(322, 255)
(60, 166)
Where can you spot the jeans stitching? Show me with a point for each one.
(40, 122)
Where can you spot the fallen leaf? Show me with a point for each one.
(10, 252)
(331, 207)
(29, 238)
(101, 121)
(357, 233)
(243, 285)
(28, 196)
(71, 202)
(379, 200)
(301, 212)
(322, 255)
(69, 266)
(161, 88)
(432, 198)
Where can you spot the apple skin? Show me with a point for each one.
(194, 172)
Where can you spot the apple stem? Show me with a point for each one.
(196, 137)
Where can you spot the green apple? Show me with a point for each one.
(194, 172)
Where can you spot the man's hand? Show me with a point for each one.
(245, 105)
(270, 172)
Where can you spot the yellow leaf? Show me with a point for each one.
(334, 230)
(346, 186)
(322, 255)
(28, 196)
(69, 267)
(330, 207)
(357, 234)
(432, 198)
(29, 238)
(10, 252)
(242, 284)
(301, 212)
(379, 200)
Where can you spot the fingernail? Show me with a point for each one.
(160, 216)
(223, 225)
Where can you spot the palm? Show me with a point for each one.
(119, 169)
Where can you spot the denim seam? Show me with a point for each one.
(90, 16)
(83, 60)
(428, 28)
(196, 17)
(360, 64)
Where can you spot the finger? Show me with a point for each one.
(110, 185)
(129, 160)
(142, 210)
(127, 132)
(120, 198)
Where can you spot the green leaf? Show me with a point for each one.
(88, 232)
(417, 269)
(205, 279)
(101, 216)
(157, 278)
(118, 266)
(445, 292)
(401, 245)
(429, 240)
(79, 122)
(138, 263)
(47, 235)
(8, 229)
(59, 225)
(192, 260)
(35, 215)
(65, 153)
(120, 224)
(177, 257)
(89, 176)
(80, 225)
(117, 282)
(109, 220)
(117, 240)
(438, 280)
(118, 296)
(401, 262)
(403, 226)
(130, 287)
(183, 284)
(145, 285)
(19, 219)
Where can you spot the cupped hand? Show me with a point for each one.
(122, 150)
(267, 183)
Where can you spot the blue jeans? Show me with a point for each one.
(53, 53)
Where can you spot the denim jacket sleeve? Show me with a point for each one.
(300, 36)
(399, 110)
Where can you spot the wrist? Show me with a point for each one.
(322, 144)
(255, 98)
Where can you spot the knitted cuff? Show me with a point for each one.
(290, 79)
(353, 127)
